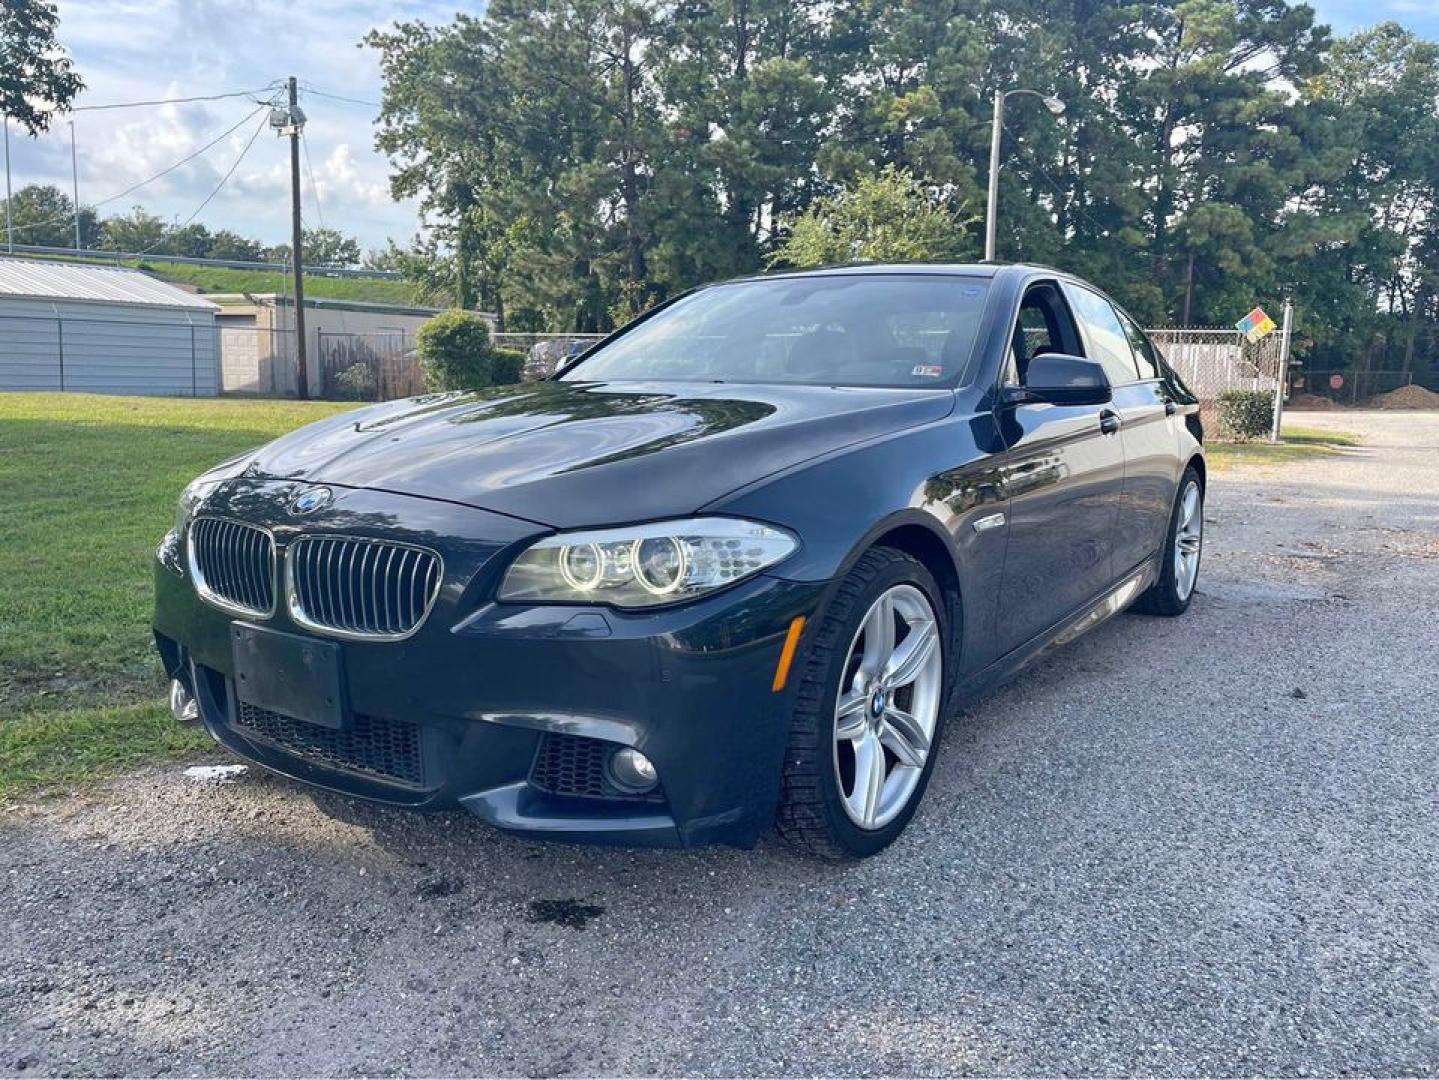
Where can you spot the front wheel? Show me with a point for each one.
(869, 711)
(1179, 569)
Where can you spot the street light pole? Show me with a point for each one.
(9, 220)
(991, 213)
(991, 217)
(75, 184)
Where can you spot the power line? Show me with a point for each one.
(314, 187)
(341, 97)
(223, 181)
(172, 101)
(151, 179)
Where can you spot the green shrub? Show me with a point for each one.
(1246, 414)
(455, 354)
(355, 383)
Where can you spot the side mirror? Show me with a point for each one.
(1066, 380)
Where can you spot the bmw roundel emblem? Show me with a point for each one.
(309, 501)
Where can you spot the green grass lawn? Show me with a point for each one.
(1294, 444)
(87, 487)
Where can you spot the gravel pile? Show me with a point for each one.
(1412, 396)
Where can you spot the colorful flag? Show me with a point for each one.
(1255, 325)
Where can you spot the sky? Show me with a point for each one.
(131, 50)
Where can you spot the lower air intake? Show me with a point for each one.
(384, 749)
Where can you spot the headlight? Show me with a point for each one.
(645, 565)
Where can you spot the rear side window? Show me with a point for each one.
(1108, 342)
(1144, 352)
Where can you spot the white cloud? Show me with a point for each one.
(130, 50)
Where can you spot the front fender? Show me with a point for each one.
(938, 478)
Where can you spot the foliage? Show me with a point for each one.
(455, 353)
(42, 214)
(356, 383)
(587, 158)
(884, 217)
(37, 79)
(1246, 414)
(89, 484)
(320, 247)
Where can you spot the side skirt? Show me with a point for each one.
(1128, 590)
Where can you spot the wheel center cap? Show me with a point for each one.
(876, 703)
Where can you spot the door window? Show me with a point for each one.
(1144, 352)
(1108, 342)
(1044, 326)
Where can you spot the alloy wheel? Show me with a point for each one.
(1188, 540)
(887, 706)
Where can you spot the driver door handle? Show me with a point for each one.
(1109, 421)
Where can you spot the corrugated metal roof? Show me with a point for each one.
(42, 279)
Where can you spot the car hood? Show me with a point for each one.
(569, 454)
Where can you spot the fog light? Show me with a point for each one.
(182, 703)
(631, 771)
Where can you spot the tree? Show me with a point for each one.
(329, 247)
(45, 216)
(322, 247)
(230, 245)
(885, 217)
(136, 231)
(37, 79)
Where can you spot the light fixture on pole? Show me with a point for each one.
(1055, 106)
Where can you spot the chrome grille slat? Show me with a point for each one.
(361, 588)
(233, 565)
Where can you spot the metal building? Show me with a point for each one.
(104, 330)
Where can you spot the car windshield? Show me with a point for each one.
(837, 329)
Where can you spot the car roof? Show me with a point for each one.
(968, 269)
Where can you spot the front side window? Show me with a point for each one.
(1145, 354)
(1107, 340)
(844, 330)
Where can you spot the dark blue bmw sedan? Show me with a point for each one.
(732, 568)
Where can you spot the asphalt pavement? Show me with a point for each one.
(1198, 846)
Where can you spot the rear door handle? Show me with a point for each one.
(1109, 421)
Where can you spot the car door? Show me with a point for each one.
(1063, 476)
(1146, 426)
(1151, 419)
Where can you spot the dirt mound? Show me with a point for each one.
(1412, 396)
(1312, 401)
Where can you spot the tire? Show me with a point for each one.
(823, 803)
(1171, 594)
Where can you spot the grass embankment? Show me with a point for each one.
(87, 487)
(1294, 444)
(222, 279)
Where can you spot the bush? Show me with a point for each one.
(1246, 414)
(355, 383)
(455, 354)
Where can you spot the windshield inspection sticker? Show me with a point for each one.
(928, 371)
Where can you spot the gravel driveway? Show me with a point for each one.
(1208, 845)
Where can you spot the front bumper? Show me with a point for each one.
(478, 690)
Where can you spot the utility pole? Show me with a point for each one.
(75, 184)
(297, 123)
(1287, 329)
(9, 223)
